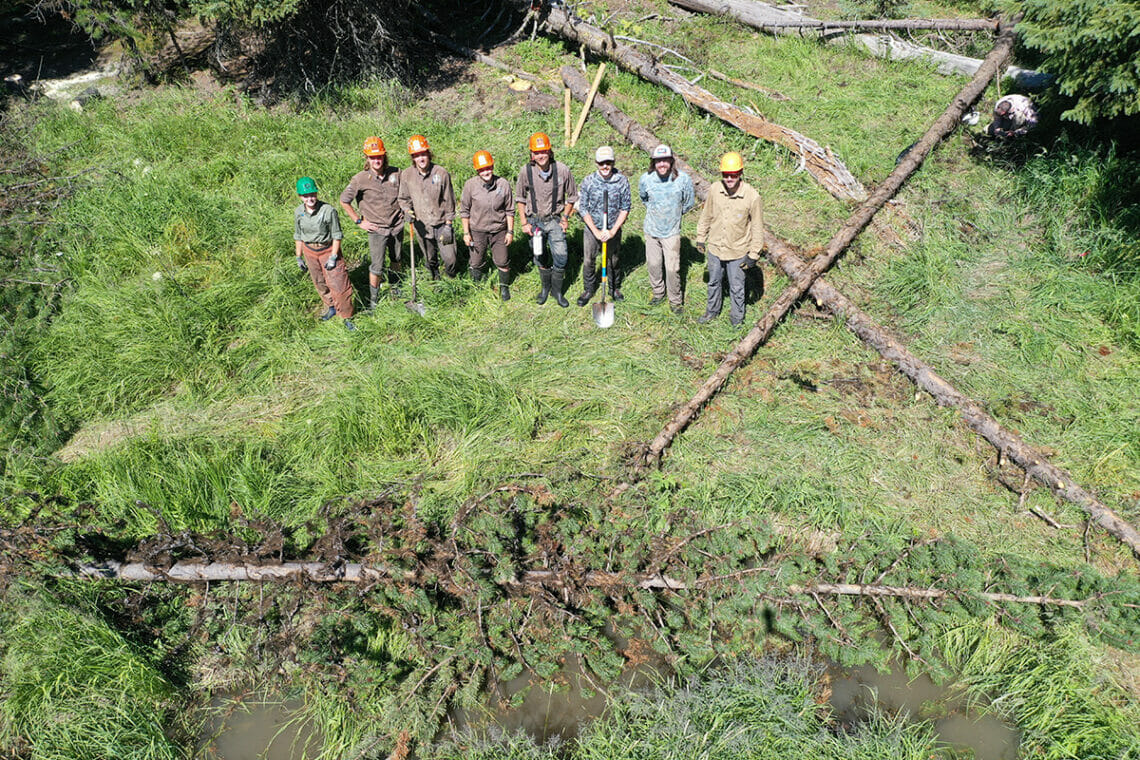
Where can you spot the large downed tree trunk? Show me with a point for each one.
(780, 253)
(855, 224)
(828, 170)
(768, 18)
(906, 24)
(353, 572)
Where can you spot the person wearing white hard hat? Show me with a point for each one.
(604, 201)
(668, 195)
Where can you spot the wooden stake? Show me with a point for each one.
(587, 103)
(566, 116)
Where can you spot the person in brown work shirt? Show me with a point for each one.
(375, 191)
(545, 194)
(731, 235)
(487, 212)
(427, 198)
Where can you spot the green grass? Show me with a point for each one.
(182, 365)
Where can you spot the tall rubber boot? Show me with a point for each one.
(504, 282)
(373, 296)
(476, 275)
(556, 285)
(544, 274)
(434, 270)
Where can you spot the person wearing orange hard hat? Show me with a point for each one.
(731, 235)
(374, 191)
(487, 212)
(428, 200)
(545, 194)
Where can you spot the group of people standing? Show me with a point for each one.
(380, 199)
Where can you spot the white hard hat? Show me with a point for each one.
(662, 151)
(604, 153)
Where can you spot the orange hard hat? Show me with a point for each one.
(731, 162)
(374, 146)
(539, 141)
(417, 144)
(482, 160)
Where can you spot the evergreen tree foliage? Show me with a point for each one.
(1092, 47)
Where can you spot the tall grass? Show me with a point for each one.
(74, 689)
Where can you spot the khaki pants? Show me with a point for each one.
(663, 262)
(333, 286)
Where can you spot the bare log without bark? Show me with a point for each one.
(907, 24)
(352, 572)
(855, 224)
(828, 170)
(1011, 446)
(775, 20)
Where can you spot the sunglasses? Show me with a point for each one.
(731, 175)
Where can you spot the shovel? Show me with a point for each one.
(414, 304)
(604, 312)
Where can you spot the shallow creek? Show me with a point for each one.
(263, 730)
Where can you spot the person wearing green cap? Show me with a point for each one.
(316, 237)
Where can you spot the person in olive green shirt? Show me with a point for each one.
(731, 235)
(316, 239)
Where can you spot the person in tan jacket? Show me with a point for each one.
(428, 200)
(377, 212)
(731, 235)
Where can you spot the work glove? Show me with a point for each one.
(331, 263)
(749, 263)
(301, 263)
(702, 248)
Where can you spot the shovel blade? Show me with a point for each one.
(415, 306)
(603, 314)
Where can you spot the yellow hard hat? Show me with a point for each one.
(732, 162)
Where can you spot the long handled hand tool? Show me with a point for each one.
(604, 312)
(414, 304)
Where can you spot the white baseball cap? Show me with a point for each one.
(604, 153)
(662, 151)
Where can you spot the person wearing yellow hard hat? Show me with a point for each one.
(545, 194)
(316, 240)
(375, 192)
(427, 198)
(487, 212)
(731, 235)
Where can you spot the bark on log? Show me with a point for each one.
(828, 170)
(854, 225)
(768, 18)
(1010, 445)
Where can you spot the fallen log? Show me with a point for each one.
(767, 18)
(906, 24)
(839, 243)
(353, 572)
(780, 253)
(820, 162)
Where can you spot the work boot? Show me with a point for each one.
(504, 282)
(615, 294)
(476, 275)
(556, 285)
(656, 300)
(373, 296)
(707, 317)
(677, 309)
(433, 269)
(349, 326)
(504, 293)
(544, 274)
(329, 314)
(585, 297)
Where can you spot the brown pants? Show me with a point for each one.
(333, 286)
(496, 241)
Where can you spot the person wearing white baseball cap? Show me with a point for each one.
(604, 201)
(668, 195)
